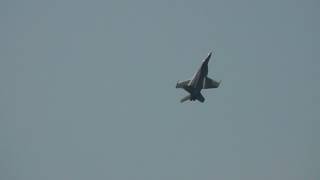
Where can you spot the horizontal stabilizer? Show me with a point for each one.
(200, 98)
(185, 98)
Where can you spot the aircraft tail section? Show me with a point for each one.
(200, 98)
(185, 98)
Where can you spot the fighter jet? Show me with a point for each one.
(198, 82)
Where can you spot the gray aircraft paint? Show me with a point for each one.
(198, 82)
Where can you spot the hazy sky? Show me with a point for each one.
(88, 90)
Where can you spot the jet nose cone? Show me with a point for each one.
(208, 58)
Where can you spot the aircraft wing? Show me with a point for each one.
(182, 84)
(210, 83)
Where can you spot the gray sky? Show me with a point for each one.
(88, 90)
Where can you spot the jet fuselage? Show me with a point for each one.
(196, 84)
(199, 81)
